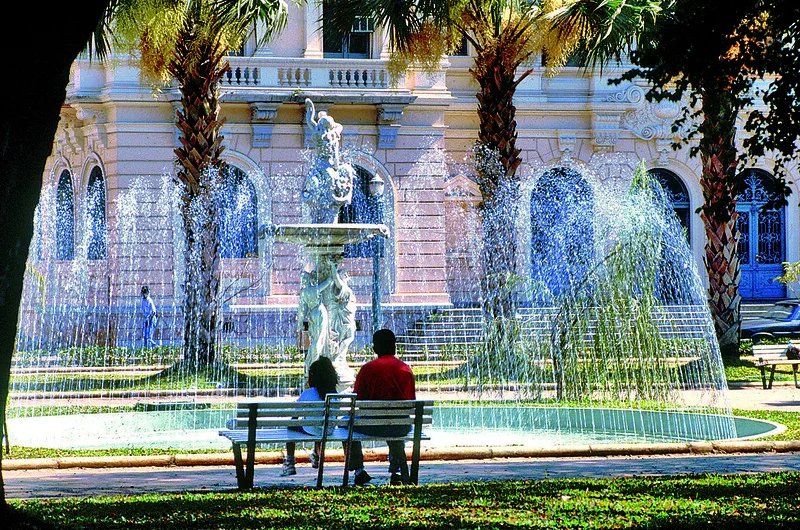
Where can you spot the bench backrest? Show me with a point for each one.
(340, 409)
(266, 414)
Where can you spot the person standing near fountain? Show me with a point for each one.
(312, 308)
(148, 311)
(386, 378)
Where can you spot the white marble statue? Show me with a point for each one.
(329, 183)
(342, 317)
(312, 308)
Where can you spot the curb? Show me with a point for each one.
(430, 454)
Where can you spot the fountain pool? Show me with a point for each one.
(609, 307)
(453, 426)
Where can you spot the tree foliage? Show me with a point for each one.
(716, 54)
(745, 52)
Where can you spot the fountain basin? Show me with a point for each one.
(453, 426)
(325, 236)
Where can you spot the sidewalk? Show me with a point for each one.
(50, 483)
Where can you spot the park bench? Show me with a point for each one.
(770, 357)
(271, 422)
(772, 364)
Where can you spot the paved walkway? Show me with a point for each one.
(50, 483)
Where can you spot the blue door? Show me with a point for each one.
(762, 240)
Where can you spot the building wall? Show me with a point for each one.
(415, 135)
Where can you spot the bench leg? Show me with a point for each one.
(239, 464)
(763, 375)
(771, 375)
(794, 372)
(414, 478)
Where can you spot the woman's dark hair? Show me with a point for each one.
(322, 376)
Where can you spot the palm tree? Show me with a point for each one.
(507, 35)
(713, 52)
(186, 41)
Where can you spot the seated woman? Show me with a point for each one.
(322, 380)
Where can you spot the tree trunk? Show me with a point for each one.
(497, 160)
(718, 157)
(200, 166)
(26, 140)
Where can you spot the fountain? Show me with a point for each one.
(327, 302)
(611, 340)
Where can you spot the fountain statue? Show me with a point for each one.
(329, 184)
(326, 300)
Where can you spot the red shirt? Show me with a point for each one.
(386, 377)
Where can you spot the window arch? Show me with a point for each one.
(96, 215)
(362, 209)
(65, 217)
(562, 232)
(238, 215)
(677, 195)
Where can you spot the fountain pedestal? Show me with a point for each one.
(326, 301)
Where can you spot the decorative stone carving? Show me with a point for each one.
(260, 111)
(329, 183)
(310, 109)
(388, 129)
(566, 144)
(629, 94)
(654, 120)
(263, 114)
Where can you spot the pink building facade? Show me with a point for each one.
(113, 156)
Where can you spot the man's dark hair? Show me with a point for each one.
(383, 342)
(145, 290)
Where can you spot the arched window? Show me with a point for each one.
(362, 209)
(238, 215)
(96, 215)
(677, 195)
(65, 218)
(562, 232)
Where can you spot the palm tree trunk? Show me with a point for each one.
(497, 160)
(718, 157)
(200, 165)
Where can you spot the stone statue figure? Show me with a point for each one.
(342, 316)
(329, 183)
(312, 308)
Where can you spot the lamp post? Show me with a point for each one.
(376, 187)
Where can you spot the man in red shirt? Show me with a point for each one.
(386, 377)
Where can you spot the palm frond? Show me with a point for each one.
(598, 31)
(99, 44)
(239, 16)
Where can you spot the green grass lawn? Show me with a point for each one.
(762, 501)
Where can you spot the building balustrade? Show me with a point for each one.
(274, 72)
